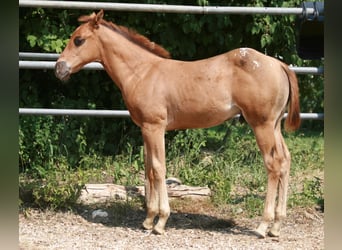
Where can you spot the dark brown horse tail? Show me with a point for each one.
(292, 121)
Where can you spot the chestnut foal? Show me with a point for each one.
(163, 94)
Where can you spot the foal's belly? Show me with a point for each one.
(206, 119)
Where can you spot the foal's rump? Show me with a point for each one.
(262, 87)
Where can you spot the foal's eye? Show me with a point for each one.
(78, 41)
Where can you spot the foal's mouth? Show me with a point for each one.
(62, 71)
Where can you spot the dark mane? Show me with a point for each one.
(138, 39)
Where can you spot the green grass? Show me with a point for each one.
(225, 158)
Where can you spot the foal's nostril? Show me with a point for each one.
(62, 70)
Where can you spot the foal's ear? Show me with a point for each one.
(85, 19)
(99, 16)
(93, 19)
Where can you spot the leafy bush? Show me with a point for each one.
(60, 188)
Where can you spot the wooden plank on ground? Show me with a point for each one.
(100, 193)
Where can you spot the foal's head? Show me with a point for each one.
(82, 47)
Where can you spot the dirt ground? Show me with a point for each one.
(205, 229)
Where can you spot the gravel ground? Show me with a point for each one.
(303, 229)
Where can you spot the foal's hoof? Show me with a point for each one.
(147, 225)
(275, 230)
(259, 233)
(158, 230)
(274, 233)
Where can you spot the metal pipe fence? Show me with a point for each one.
(119, 113)
(164, 8)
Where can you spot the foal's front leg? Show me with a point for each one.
(157, 202)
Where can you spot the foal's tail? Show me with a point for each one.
(292, 121)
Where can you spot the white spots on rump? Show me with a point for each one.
(243, 52)
(256, 64)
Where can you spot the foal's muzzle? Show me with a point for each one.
(62, 70)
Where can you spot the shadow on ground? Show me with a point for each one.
(123, 214)
(185, 214)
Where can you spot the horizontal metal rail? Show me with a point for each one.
(98, 66)
(118, 113)
(74, 112)
(186, 9)
(38, 56)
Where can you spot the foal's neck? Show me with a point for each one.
(125, 62)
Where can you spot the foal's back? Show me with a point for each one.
(207, 92)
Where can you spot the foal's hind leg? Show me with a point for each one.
(271, 146)
(280, 212)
